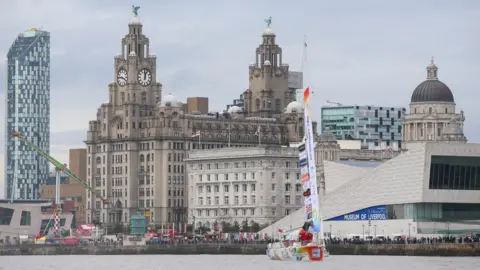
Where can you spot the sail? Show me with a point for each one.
(308, 170)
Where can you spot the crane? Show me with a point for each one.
(59, 167)
(336, 103)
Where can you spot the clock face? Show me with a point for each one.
(144, 77)
(122, 77)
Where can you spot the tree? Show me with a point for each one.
(254, 226)
(263, 226)
(189, 227)
(236, 226)
(245, 227)
(202, 230)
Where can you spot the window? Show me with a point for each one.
(226, 188)
(244, 199)
(6, 215)
(237, 201)
(26, 218)
(273, 199)
(287, 199)
(225, 200)
(236, 189)
(244, 187)
(454, 173)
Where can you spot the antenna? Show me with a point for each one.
(304, 52)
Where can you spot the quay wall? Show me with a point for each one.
(239, 249)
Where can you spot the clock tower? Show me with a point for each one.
(135, 85)
(268, 91)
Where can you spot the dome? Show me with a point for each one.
(268, 32)
(135, 21)
(432, 91)
(169, 101)
(234, 110)
(294, 107)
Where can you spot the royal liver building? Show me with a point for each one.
(137, 145)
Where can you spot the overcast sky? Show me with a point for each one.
(359, 52)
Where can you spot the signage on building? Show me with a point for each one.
(295, 80)
(371, 213)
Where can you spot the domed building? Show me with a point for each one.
(432, 114)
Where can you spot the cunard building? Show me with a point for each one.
(137, 144)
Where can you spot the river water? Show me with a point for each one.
(230, 262)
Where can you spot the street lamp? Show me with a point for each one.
(330, 230)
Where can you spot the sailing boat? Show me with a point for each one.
(302, 251)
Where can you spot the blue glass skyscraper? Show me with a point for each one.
(27, 108)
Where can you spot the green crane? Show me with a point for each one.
(59, 166)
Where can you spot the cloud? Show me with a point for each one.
(359, 52)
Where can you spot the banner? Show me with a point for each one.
(312, 202)
(372, 213)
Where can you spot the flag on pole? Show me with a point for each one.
(306, 95)
(196, 134)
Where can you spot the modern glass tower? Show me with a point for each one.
(27, 108)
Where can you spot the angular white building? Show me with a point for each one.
(433, 188)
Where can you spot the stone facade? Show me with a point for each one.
(236, 184)
(432, 118)
(137, 145)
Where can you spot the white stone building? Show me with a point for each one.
(433, 115)
(238, 184)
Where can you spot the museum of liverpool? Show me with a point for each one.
(432, 189)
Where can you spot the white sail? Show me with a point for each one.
(312, 203)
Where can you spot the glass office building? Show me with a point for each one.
(373, 126)
(27, 108)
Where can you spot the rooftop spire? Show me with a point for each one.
(432, 71)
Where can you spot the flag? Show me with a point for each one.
(306, 95)
(308, 208)
(257, 133)
(280, 230)
(197, 134)
(305, 178)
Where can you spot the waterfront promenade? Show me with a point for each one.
(444, 249)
